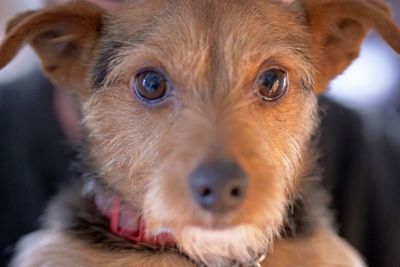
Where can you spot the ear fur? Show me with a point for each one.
(64, 37)
(338, 28)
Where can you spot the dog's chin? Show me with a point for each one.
(243, 244)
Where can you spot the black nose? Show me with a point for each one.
(218, 186)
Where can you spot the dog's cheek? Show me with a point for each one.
(280, 135)
(125, 140)
(290, 128)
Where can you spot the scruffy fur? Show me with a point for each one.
(212, 51)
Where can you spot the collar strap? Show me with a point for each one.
(128, 223)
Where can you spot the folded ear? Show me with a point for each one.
(64, 37)
(338, 28)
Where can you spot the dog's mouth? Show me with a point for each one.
(209, 246)
(212, 247)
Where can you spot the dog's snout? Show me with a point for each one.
(218, 186)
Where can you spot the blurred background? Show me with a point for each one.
(26, 60)
(360, 145)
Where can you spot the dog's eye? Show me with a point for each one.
(151, 86)
(272, 84)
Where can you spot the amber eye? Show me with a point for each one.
(272, 84)
(151, 86)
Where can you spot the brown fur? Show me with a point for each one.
(212, 51)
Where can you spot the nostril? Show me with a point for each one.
(205, 192)
(236, 192)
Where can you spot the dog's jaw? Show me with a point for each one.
(243, 245)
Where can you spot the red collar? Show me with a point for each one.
(128, 223)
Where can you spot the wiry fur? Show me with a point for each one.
(212, 52)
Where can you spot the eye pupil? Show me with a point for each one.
(272, 84)
(269, 79)
(152, 82)
(151, 86)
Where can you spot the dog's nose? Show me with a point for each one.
(218, 186)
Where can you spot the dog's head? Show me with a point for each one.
(199, 113)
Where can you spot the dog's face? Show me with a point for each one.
(228, 96)
(200, 113)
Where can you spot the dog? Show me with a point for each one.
(200, 120)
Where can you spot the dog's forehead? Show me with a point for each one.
(193, 19)
(197, 36)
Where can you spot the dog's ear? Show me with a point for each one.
(64, 37)
(338, 28)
